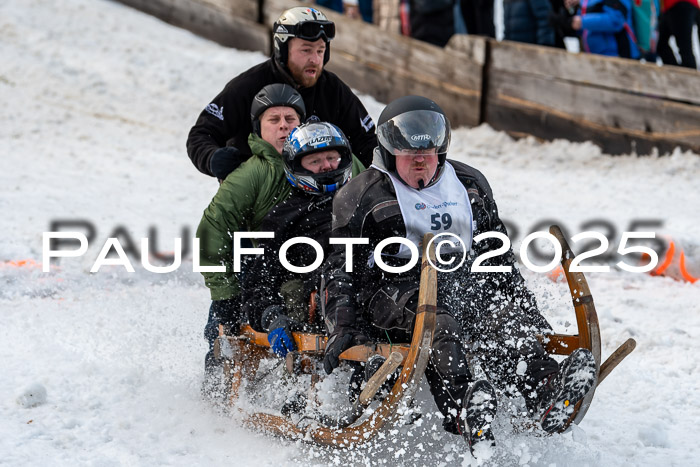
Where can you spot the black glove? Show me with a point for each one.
(225, 312)
(224, 161)
(339, 343)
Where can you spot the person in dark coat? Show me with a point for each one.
(432, 21)
(411, 189)
(560, 18)
(528, 21)
(218, 142)
(478, 17)
(317, 162)
(677, 20)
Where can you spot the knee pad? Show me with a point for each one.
(390, 306)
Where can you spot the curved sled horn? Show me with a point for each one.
(586, 317)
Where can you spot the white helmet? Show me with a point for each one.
(305, 23)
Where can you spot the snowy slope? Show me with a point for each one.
(97, 102)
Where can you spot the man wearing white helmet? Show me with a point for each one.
(218, 142)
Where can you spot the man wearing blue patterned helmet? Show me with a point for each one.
(317, 162)
(317, 158)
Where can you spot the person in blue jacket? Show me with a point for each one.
(606, 27)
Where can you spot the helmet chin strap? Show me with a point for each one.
(421, 184)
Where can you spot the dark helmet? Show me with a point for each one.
(275, 95)
(412, 122)
(308, 139)
(305, 23)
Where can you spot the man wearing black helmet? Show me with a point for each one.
(244, 198)
(217, 143)
(412, 189)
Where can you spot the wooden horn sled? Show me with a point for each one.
(242, 354)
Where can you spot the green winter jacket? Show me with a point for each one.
(241, 203)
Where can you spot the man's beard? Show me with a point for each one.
(301, 79)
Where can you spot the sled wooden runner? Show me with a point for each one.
(588, 336)
(414, 362)
(249, 347)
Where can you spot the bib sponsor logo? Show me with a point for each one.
(420, 206)
(444, 204)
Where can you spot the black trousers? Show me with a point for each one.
(504, 343)
(677, 22)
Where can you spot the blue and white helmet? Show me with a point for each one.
(311, 138)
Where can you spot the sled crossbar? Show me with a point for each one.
(315, 344)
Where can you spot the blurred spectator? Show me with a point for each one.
(432, 20)
(478, 17)
(359, 9)
(561, 22)
(528, 21)
(387, 15)
(352, 8)
(677, 20)
(605, 26)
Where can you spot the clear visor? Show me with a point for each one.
(416, 132)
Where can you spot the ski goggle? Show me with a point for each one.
(312, 30)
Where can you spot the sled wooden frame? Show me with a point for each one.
(249, 346)
(413, 357)
(588, 336)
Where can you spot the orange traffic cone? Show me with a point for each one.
(675, 264)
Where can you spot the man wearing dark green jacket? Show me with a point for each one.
(243, 200)
(241, 203)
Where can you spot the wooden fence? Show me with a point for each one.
(619, 104)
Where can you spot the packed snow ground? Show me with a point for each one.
(105, 368)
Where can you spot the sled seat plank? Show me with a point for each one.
(315, 344)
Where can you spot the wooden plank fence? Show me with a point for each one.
(619, 104)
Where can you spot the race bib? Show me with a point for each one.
(442, 208)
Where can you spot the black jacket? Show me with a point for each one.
(226, 120)
(432, 21)
(301, 215)
(367, 207)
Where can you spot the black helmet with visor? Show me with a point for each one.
(409, 125)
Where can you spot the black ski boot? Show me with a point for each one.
(563, 390)
(294, 404)
(478, 412)
(372, 366)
